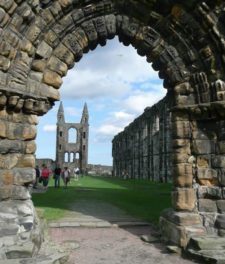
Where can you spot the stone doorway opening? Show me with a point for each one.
(41, 40)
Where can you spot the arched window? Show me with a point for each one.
(77, 156)
(72, 135)
(157, 123)
(72, 157)
(60, 147)
(60, 133)
(84, 134)
(66, 157)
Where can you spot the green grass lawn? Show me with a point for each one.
(140, 198)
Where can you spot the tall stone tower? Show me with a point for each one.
(72, 141)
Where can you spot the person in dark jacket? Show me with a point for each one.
(57, 173)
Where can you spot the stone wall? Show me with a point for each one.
(183, 40)
(99, 170)
(143, 150)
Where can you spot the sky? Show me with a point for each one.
(117, 84)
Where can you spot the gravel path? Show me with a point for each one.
(111, 245)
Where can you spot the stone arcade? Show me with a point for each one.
(143, 150)
(184, 41)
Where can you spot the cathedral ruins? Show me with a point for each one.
(182, 138)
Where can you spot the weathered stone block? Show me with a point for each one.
(8, 161)
(5, 192)
(44, 50)
(6, 177)
(3, 129)
(210, 192)
(56, 65)
(33, 33)
(52, 78)
(181, 147)
(7, 229)
(180, 158)
(203, 161)
(173, 233)
(221, 147)
(203, 146)
(218, 161)
(215, 192)
(29, 132)
(39, 65)
(30, 147)
(221, 177)
(181, 129)
(22, 176)
(184, 199)
(111, 25)
(64, 54)
(206, 173)
(181, 218)
(199, 135)
(32, 119)
(6, 4)
(4, 63)
(49, 92)
(206, 243)
(26, 161)
(221, 206)
(208, 220)
(220, 221)
(183, 169)
(28, 47)
(183, 180)
(207, 205)
(20, 193)
(37, 76)
(25, 208)
(179, 116)
(20, 251)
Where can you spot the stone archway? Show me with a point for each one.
(42, 39)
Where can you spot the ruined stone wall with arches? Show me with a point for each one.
(72, 141)
(185, 42)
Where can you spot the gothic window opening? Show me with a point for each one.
(72, 135)
(77, 156)
(84, 134)
(72, 157)
(66, 157)
(60, 133)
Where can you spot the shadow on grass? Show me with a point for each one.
(108, 199)
(139, 198)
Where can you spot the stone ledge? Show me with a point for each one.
(40, 259)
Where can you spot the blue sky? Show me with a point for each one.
(117, 85)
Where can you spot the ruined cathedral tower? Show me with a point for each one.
(72, 141)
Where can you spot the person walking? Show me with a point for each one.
(45, 174)
(57, 173)
(76, 173)
(66, 176)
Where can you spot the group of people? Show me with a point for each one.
(43, 175)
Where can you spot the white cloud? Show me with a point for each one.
(49, 128)
(109, 130)
(114, 123)
(137, 102)
(90, 85)
(109, 71)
